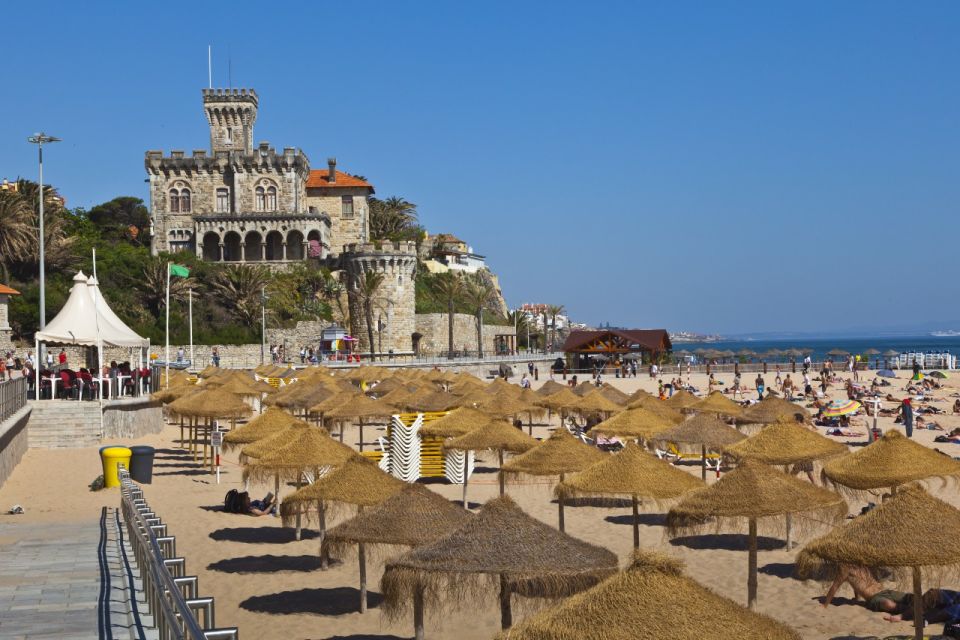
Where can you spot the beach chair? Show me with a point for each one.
(673, 455)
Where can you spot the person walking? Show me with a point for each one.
(760, 386)
(215, 356)
(906, 412)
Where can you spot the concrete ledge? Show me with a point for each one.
(13, 442)
(131, 418)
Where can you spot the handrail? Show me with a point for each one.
(174, 613)
(13, 396)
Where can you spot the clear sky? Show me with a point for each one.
(711, 166)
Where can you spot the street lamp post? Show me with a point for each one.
(263, 321)
(39, 140)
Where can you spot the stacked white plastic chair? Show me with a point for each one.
(404, 450)
(453, 465)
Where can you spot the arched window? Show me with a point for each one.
(223, 200)
(271, 198)
(174, 201)
(184, 200)
(261, 203)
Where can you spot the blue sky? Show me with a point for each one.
(731, 167)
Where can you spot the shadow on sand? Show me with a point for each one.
(727, 542)
(324, 602)
(606, 503)
(646, 519)
(366, 636)
(261, 535)
(266, 564)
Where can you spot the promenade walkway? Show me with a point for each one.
(69, 581)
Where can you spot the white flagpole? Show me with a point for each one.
(166, 356)
(191, 327)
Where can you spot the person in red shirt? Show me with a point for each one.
(63, 357)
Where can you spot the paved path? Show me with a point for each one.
(66, 581)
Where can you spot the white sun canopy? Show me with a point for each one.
(87, 320)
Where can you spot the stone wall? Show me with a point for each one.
(394, 304)
(133, 418)
(13, 442)
(434, 329)
(344, 230)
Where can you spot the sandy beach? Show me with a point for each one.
(269, 585)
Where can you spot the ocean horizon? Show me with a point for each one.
(820, 346)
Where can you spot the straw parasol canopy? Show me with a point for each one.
(719, 404)
(524, 554)
(550, 387)
(433, 402)
(497, 435)
(912, 530)
(649, 600)
(248, 387)
(610, 392)
(456, 423)
(360, 408)
(583, 388)
(175, 393)
(267, 424)
(212, 403)
(635, 473)
(657, 406)
(705, 430)
(561, 400)
(769, 410)
(753, 491)
(891, 461)
(265, 446)
(682, 399)
(558, 455)
(786, 443)
(639, 423)
(307, 449)
(596, 402)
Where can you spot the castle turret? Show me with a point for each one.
(231, 114)
(393, 305)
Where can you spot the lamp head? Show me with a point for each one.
(41, 138)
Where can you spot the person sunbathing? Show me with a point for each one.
(867, 588)
(259, 508)
(927, 424)
(939, 605)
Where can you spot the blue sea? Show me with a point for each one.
(820, 346)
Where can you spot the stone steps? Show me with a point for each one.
(64, 424)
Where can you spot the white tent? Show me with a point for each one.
(120, 334)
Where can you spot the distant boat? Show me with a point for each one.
(950, 333)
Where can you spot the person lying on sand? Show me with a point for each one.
(927, 424)
(867, 588)
(939, 605)
(260, 507)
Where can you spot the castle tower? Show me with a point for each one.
(393, 306)
(231, 114)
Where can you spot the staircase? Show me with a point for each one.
(63, 424)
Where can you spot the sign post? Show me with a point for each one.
(216, 441)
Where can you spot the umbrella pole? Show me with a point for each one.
(299, 510)
(362, 557)
(560, 505)
(361, 434)
(530, 423)
(322, 524)
(500, 456)
(752, 565)
(636, 522)
(341, 432)
(703, 462)
(506, 615)
(917, 604)
(418, 612)
(465, 470)
(789, 523)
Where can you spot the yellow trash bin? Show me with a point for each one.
(111, 457)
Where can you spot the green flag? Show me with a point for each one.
(179, 270)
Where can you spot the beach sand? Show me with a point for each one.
(269, 585)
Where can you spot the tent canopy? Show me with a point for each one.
(86, 320)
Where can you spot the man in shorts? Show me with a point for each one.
(866, 588)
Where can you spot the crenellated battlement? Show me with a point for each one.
(231, 95)
(262, 160)
(407, 248)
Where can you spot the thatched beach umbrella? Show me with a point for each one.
(361, 408)
(562, 400)
(524, 554)
(891, 461)
(558, 455)
(433, 402)
(610, 392)
(838, 353)
(753, 492)
(786, 443)
(718, 404)
(912, 530)
(769, 410)
(504, 406)
(583, 388)
(651, 599)
(497, 435)
(210, 405)
(415, 516)
(705, 430)
(267, 424)
(657, 406)
(358, 481)
(633, 473)
(681, 400)
(596, 402)
(458, 422)
(640, 424)
(550, 387)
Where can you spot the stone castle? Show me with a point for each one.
(246, 204)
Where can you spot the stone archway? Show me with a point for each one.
(416, 338)
(315, 244)
(211, 246)
(252, 251)
(294, 245)
(231, 247)
(274, 246)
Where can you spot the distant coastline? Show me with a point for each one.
(686, 337)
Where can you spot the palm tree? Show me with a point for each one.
(153, 286)
(553, 310)
(519, 320)
(366, 287)
(543, 313)
(239, 287)
(17, 235)
(479, 293)
(390, 218)
(450, 288)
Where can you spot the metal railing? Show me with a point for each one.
(13, 396)
(170, 593)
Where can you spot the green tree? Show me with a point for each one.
(239, 288)
(124, 218)
(153, 286)
(553, 310)
(449, 287)
(17, 234)
(366, 288)
(393, 219)
(520, 320)
(480, 293)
